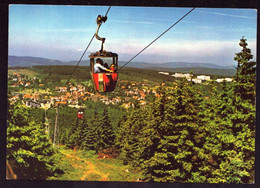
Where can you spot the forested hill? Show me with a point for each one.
(196, 68)
(128, 73)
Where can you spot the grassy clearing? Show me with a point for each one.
(29, 73)
(85, 166)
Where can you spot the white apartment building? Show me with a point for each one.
(197, 81)
(203, 77)
(164, 73)
(224, 79)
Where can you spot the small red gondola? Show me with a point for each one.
(80, 113)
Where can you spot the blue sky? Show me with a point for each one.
(62, 32)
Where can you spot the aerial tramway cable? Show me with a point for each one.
(157, 38)
(85, 50)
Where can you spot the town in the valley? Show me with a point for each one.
(33, 93)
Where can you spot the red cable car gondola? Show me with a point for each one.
(103, 80)
(103, 65)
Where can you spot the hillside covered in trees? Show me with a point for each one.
(186, 133)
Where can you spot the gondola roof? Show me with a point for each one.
(103, 54)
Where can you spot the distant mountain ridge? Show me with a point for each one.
(27, 61)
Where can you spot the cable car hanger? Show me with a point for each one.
(85, 49)
(100, 20)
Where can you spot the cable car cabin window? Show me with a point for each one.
(104, 63)
(104, 73)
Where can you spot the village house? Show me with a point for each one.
(14, 98)
(129, 92)
(135, 97)
(94, 98)
(127, 99)
(63, 98)
(81, 88)
(27, 96)
(35, 96)
(228, 79)
(136, 92)
(178, 75)
(27, 84)
(15, 85)
(89, 93)
(116, 100)
(142, 102)
(68, 94)
(127, 105)
(46, 104)
(73, 88)
(188, 76)
(62, 89)
(104, 98)
(154, 91)
(220, 80)
(197, 81)
(224, 79)
(142, 94)
(60, 103)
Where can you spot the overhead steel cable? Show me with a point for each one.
(85, 51)
(80, 59)
(157, 38)
(107, 10)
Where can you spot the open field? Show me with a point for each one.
(29, 73)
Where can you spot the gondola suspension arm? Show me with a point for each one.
(86, 50)
(100, 20)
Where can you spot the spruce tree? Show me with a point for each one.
(243, 118)
(106, 136)
(246, 73)
(28, 148)
(234, 129)
(90, 134)
(76, 134)
(135, 136)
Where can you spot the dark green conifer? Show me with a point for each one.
(234, 129)
(90, 134)
(106, 136)
(28, 148)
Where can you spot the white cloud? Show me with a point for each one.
(230, 15)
